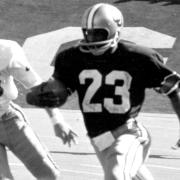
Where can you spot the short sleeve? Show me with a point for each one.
(154, 70)
(64, 70)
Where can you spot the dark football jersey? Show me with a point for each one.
(111, 87)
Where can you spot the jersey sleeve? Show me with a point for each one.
(158, 76)
(20, 68)
(64, 70)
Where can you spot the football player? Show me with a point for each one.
(15, 132)
(110, 76)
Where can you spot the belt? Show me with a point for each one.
(106, 139)
(130, 124)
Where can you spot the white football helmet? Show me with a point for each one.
(101, 26)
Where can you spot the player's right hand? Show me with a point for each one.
(67, 135)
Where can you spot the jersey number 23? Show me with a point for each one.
(110, 79)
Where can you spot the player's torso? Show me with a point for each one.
(110, 89)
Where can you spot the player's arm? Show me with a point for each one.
(47, 95)
(50, 95)
(171, 88)
(164, 80)
(175, 101)
(61, 128)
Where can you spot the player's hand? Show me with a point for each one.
(177, 145)
(67, 135)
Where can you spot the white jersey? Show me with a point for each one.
(14, 64)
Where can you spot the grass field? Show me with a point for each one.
(20, 19)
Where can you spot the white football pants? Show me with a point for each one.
(17, 135)
(124, 159)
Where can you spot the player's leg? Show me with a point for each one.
(5, 173)
(143, 174)
(122, 160)
(145, 139)
(115, 159)
(27, 147)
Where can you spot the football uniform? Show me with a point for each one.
(110, 77)
(14, 65)
(111, 87)
(111, 90)
(15, 132)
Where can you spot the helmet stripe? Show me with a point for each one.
(92, 14)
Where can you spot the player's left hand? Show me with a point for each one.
(67, 135)
(177, 145)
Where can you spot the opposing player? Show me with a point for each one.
(15, 131)
(111, 76)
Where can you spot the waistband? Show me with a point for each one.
(129, 125)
